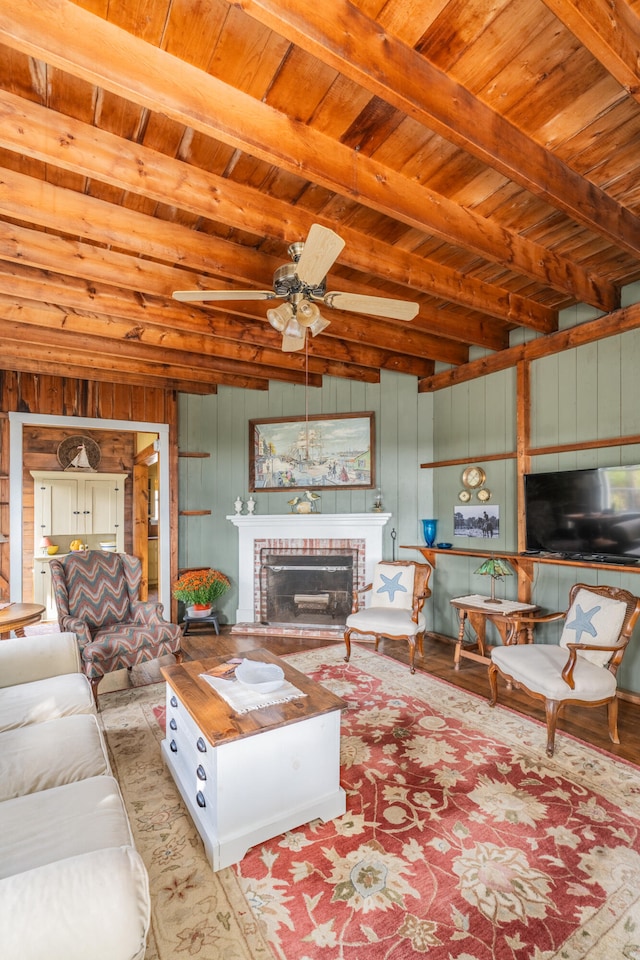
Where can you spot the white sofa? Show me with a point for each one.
(72, 885)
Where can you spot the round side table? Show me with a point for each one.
(16, 616)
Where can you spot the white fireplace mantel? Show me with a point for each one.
(294, 526)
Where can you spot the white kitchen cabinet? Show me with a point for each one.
(79, 505)
(89, 507)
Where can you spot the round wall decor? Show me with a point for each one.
(78, 453)
(474, 477)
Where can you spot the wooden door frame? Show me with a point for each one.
(167, 545)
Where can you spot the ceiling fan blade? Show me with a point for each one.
(321, 249)
(194, 296)
(291, 344)
(377, 306)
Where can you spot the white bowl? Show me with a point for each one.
(261, 677)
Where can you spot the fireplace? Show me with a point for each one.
(313, 586)
(312, 596)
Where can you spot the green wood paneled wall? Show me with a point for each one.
(588, 393)
(218, 425)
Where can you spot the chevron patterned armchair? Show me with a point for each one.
(96, 596)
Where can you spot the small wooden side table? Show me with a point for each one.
(211, 618)
(16, 616)
(477, 611)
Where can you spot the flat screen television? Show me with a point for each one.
(585, 514)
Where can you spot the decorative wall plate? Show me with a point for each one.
(474, 477)
(78, 453)
(464, 496)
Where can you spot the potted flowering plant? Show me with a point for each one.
(199, 590)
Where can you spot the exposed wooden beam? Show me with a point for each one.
(620, 321)
(43, 134)
(21, 246)
(611, 31)
(31, 324)
(37, 359)
(358, 47)
(113, 59)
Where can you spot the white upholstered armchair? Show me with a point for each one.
(396, 596)
(582, 668)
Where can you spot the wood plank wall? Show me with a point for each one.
(67, 397)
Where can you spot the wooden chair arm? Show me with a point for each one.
(526, 620)
(355, 604)
(573, 648)
(418, 604)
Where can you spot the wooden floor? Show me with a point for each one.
(589, 725)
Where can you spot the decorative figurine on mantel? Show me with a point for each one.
(238, 504)
(308, 502)
(251, 506)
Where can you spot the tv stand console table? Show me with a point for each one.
(523, 563)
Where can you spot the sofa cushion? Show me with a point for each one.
(94, 906)
(62, 822)
(593, 619)
(45, 755)
(25, 659)
(45, 700)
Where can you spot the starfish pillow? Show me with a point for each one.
(393, 586)
(593, 619)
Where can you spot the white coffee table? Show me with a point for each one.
(248, 777)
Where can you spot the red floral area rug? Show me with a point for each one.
(461, 841)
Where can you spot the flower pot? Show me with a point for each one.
(198, 610)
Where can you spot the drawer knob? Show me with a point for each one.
(173, 746)
(201, 745)
(174, 701)
(200, 800)
(201, 773)
(172, 724)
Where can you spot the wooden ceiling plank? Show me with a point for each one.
(611, 31)
(123, 64)
(93, 153)
(361, 49)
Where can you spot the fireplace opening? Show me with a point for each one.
(310, 589)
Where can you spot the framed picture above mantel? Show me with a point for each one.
(323, 452)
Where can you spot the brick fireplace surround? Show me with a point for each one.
(306, 534)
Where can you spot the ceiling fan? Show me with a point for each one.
(302, 285)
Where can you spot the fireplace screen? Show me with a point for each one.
(306, 589)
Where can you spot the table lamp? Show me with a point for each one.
(496, 569)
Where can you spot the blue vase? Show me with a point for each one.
(429, 527)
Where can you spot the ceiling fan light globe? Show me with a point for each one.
(280, 316)
(307, 313)
(318, 325)
(293, 329)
